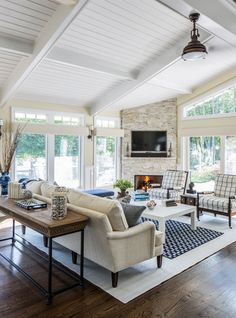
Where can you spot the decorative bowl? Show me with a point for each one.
(151, 204)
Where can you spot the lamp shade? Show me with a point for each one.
(194, 50)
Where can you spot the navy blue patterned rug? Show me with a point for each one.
(180, 238)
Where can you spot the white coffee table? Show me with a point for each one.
(162, 214)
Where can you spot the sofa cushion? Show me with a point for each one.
(47, 189)
(132, 213)
(35, 186)
(111, 208)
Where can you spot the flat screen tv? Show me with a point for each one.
(149, 142)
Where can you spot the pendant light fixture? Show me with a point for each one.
(194, 50)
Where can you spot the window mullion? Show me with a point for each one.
(222, 154)
(50, 157)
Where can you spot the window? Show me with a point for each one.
(208, 156)
(46, 156)
(31, 159)
(204, 161)
(45, 116)
(230, 154)
(105, 160)
(106, 152)
(224, 102)
(67, 160)
(30, 117)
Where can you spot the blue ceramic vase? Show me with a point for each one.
(4, 180)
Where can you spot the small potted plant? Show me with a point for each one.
(123, 185)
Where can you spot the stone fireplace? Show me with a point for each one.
(145, 182)
(160, 116)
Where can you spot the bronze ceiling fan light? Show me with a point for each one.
(194, 50)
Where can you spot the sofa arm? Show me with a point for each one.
(132, 246)
(132, 231)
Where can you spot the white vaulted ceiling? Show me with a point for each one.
(108, 54)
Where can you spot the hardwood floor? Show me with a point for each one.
(206, 290)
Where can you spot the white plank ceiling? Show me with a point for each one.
(64, 84)
(109, 53)
(24, 19)
(8, 62)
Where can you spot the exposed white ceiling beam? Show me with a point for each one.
(155, 67)
(173, 86)
(60, 21)
(217, 17)
(79, 60)
(16, 46)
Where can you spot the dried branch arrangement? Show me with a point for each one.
(8, 144)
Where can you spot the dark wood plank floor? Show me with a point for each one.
(206, 290)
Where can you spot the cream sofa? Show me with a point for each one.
(109, 241)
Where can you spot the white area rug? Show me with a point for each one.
(140, 278)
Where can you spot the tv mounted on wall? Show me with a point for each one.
(148, 143)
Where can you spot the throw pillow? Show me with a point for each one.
(132, 213)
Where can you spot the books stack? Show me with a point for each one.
(141, 196)
(31, 204)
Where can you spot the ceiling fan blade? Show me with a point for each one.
(66, 2)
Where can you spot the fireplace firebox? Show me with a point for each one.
(147, 181)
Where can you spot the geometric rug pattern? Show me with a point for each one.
(180, 238)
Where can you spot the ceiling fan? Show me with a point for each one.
(66, 2)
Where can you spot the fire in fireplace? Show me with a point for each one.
(147, 181)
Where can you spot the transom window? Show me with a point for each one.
(223, 102)
(105, 122)
(30, 117)
(47, 117)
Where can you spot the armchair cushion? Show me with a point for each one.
(216, 203)
(225, 185)
(173, 179)
(47, 189)
(162, 193)
(132, 213)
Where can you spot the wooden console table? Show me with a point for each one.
(40, 221)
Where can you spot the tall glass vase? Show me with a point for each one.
(4, 180)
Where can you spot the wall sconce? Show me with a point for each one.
(1, 124)
(91, 132)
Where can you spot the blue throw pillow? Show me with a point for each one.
(132, 213)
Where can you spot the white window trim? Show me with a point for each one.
(209, 94)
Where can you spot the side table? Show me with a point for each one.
(40, 221)
(188, 198)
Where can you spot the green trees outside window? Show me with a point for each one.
(222, 103)
(204, 158)
(31, 157)
(105, 160)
